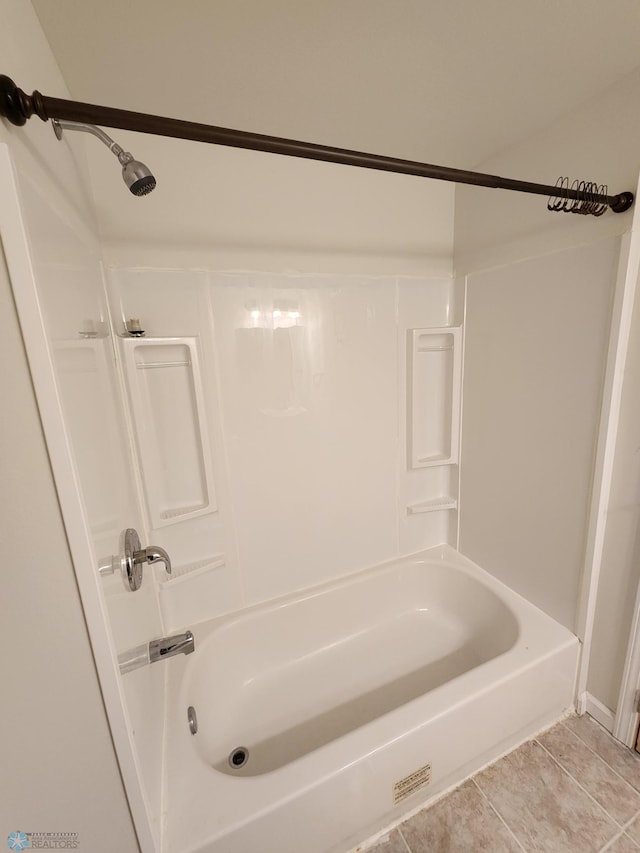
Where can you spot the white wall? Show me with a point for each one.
(224, 208)
(596, 141)
(510, 241)
(55, 731)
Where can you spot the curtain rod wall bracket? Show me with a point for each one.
(623, 202)
(17, 107)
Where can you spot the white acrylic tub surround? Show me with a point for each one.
(341, 693)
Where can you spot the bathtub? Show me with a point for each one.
(325, 716)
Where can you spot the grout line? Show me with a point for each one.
(633, 820)
(615, 838)
(406, 843)
(629, 822)
(500, 818)
(611, 842)
(573, 779)
(597, 754)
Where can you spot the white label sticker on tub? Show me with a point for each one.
(411, 783)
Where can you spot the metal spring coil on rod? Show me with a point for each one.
(588, 198)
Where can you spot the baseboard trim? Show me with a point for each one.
(597, 710)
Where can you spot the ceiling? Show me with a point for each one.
(444, 81)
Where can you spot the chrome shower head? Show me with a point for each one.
(135, 174)
(138, 177)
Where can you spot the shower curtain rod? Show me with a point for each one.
(17, 107)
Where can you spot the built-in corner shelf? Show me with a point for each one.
(433, 396)
(168, 415)
(433, 505)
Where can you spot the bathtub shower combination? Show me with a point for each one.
(327, 715)
(322, 717)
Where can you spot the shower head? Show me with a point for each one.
(138, 177)
(135, 174)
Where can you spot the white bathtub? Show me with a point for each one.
(356, 702)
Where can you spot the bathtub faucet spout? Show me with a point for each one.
(179, 644)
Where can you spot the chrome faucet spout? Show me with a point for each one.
(165, 647)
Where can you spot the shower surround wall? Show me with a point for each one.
(536, 348)
(96, 488)
(563, 269)
(303, 381)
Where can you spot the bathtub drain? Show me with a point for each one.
(238, 757)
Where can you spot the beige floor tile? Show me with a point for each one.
(623, 845)
(543, 806)
(393, 844)
(634, 830)
(624, 761)
(460, 823)
(619, 799)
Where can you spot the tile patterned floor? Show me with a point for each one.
(574, 789)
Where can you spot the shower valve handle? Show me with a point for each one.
(133, 559)
(152, 555)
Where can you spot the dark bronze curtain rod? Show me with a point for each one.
(17, 107)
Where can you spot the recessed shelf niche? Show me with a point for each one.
(435, 364)
(167, 407)
(433, 505)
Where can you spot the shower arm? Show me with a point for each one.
(17, 107)
(59, 125)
